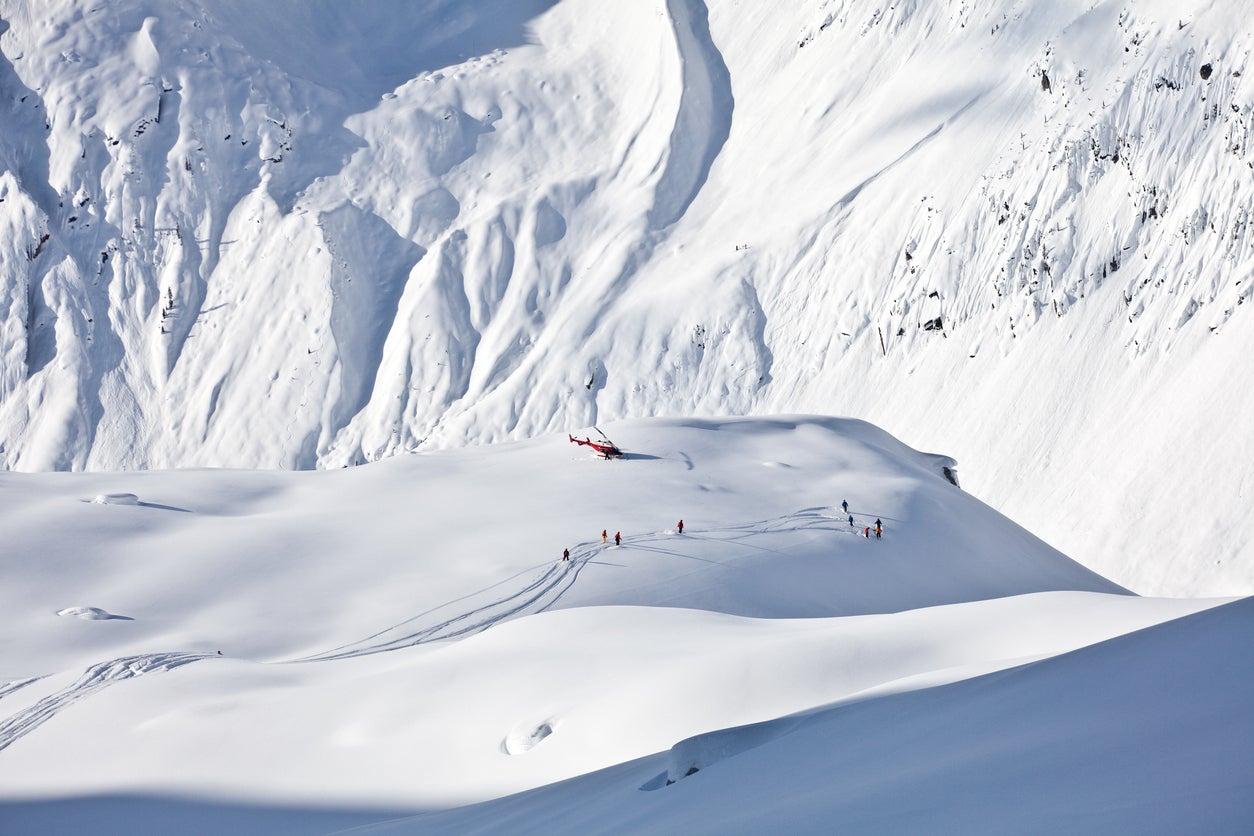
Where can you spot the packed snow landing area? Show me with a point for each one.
(305, 652)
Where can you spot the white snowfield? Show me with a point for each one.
(400, 646)
(300, 235)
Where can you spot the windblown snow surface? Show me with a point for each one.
(400, 646)
(301, 235)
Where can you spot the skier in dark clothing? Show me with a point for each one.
(851, 519)
(618, 538)
(844, 506)
(681, 526)
(565, 554)
(879, 529)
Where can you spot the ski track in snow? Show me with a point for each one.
(95, 678)
(546, 589)
(539, 594)
(551, 583)
(17, 685)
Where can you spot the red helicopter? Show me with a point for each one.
(605, 448)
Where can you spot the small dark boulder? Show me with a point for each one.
(1206, 71)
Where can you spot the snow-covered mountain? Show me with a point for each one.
(268, 652)
(297, 235)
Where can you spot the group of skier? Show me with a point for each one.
(605, 536)
(618, 539)
(844, 505)
(866, 532)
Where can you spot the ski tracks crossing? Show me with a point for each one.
(540, 593)
(544, 590)
(95, 678)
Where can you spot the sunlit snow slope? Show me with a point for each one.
(299, 235)
(244, 651)
(1089, 742)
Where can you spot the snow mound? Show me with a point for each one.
(116, 499)
(91, 614)
(526, 739)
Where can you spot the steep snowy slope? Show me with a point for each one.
(292, 650)
(305, 236)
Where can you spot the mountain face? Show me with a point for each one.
(297, 235)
